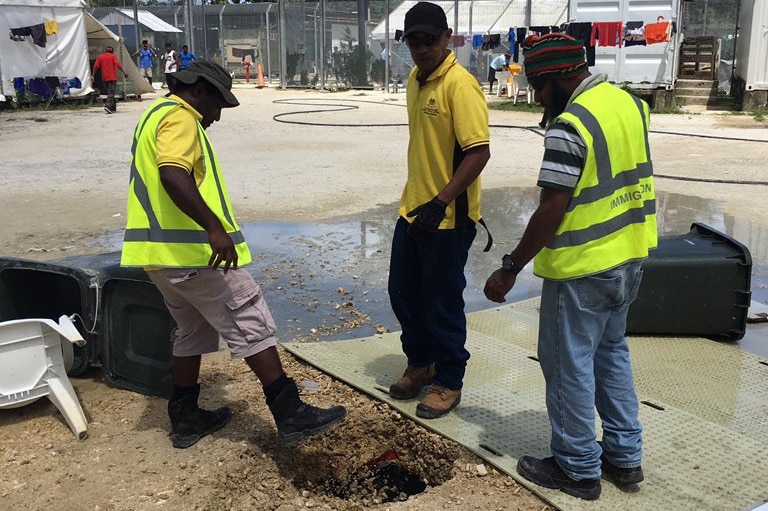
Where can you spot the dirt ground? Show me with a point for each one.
(63, 178)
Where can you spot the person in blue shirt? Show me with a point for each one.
(146, 60)
(186, 57)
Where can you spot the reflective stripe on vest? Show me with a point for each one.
(181, 241)
(611, 217)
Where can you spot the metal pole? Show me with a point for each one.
(283, 56)
(362, 50)
(322, 45)
(221, 36)
(528, 9)
(137, 30)
(189, 31)
(387, 47)
(205, 31)
(269, 53)
(471, 9)
(317, 42)
(455, 20)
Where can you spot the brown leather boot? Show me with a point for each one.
(438, 402)
(410, 384)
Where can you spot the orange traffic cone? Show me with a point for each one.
(261, 78)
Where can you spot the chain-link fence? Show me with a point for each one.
(318, 44)
(718, 19)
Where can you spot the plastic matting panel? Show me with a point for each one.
(705, 412)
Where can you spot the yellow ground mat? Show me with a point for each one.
(704, 409)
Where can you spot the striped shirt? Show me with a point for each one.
(564, 150)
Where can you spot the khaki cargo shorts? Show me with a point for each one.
(208, 304)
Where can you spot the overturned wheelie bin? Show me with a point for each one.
(118, 311)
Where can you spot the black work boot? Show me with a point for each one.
(621, 476)
(190, 423)
(297, 420)
(546, 472)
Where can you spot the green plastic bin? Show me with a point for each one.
(695, 284)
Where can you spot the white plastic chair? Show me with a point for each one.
(34, 354)
(503, 78)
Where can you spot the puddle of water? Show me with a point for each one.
(324, 280)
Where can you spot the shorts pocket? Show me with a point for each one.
(251, 313)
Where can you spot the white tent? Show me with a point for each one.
(99, 37)
(484, 16)
(74, 39)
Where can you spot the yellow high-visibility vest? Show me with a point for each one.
(158, 233)
(611, 217)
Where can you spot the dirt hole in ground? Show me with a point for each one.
(376, 456)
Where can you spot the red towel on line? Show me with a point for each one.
(607, 32)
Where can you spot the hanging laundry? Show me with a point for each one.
(494, 41)
(40, 87)
(458, 41)
(51, 27)
(512, 36)
(520, 37)
(36, 32)
(608, 33)
(19, 34)
(634, 33)
(477, 40)
(486, 42)
(658, 32)
(398, 35)
(540, 30)
(583, 31)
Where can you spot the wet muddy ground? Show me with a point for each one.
(328, 281)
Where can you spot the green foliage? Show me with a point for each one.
(521, 106)
(760, 114)
(350, 61)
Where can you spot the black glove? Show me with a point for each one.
(428, 218)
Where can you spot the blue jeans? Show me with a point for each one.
(426, 286)
(585, 360)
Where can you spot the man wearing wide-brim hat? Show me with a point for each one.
(595, 223)
(182, 230)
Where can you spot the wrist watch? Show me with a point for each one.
(507, 264)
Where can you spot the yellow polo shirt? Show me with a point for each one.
(446, 116)
(178, 143)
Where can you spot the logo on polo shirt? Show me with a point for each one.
(431, 108)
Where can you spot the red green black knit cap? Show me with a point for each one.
(553, 56)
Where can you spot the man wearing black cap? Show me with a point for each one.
(182, 230)
(595, 223)
(439, 207)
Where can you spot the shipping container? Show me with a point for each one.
(752, 49)
(640, 66)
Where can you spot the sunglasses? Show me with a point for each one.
(428, 41)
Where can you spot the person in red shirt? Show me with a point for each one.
(109, 65)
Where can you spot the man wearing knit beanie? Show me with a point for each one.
(595, 223)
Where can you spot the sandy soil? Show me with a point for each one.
(63, 180)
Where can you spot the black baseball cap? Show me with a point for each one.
(211, 73)
(425, 17)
